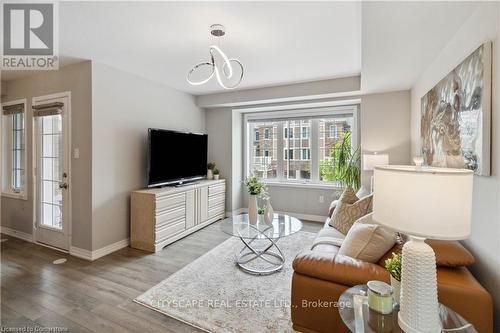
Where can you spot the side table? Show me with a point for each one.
(359, 318)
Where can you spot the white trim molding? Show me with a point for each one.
(96, 254)
(17, 234)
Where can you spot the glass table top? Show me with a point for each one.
(359, 318)
(282, 226)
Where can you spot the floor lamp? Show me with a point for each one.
(422, 202)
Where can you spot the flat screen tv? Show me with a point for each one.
(176, 157)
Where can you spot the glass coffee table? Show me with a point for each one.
(359, 318)
(260, 254)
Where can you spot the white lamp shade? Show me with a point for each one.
(423, 201)
(370, 161)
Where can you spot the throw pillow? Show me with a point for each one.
(362, 192)
(367, 242)
(349, 209)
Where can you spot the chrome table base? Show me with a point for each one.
(249, 254)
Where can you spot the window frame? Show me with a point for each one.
(314, 114)
(336, 131)
(308, 157)
(308, 132)
(6, 142)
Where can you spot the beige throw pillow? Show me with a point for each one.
(349, 209)
(367, 241)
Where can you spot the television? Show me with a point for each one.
(176, 157)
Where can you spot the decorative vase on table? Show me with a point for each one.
(252, 209)
(396, 286)
(210, 174)
(269, 212)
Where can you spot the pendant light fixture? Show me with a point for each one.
(219, 65)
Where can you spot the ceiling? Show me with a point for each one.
(276, 42)
(401, 39)
(389, 43)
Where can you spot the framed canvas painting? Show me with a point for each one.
(455, 125)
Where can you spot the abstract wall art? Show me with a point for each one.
(455, 125)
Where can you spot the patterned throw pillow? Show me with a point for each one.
(349, 209)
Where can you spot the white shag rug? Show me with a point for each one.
(214, 295)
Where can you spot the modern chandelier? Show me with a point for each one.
(219, 66)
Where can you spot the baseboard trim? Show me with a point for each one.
(307, 217)
(17, 234)
(236, 212)
(99, 253)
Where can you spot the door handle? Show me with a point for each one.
(64, 186)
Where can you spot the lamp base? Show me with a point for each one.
(418, 300)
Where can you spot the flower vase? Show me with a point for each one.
(269, 213)
(210, 174)
(252, 209)
(396, 286)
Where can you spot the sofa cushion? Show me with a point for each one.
(327, 237)
(367, 241)
(451, 253)
(337, 268)
(349, 209)
(448, 253)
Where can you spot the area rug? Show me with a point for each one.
(214, 295)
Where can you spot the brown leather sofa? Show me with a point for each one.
(321, 276)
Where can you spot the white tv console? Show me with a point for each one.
(160, 216)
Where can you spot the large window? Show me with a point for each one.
(13, 149)
(307, 144)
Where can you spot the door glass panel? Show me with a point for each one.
(51, 163)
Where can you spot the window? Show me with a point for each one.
(306, 132)
(334, 131)
(257, 135)
(308, 144)
(13, 149)
(306, 154)
(264, 165)
(266, 133)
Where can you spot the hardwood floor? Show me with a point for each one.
(83, 296)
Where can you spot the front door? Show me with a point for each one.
(51, 116)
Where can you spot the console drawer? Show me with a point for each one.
(216, 210)
(215, 200)
(216, 189)
(170, 216)
(170, 230)
(170, 201)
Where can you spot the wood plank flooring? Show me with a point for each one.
(83, 296)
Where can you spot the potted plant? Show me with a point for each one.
(260, 212)
(210, 170)
(393, 266)
(344, 164)
(255, 189)
(216, 174)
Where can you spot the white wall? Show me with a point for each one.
(124, 106)
(219, 129)
(17, 214)
(484, 242)
(305, 91)
(385, 127)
